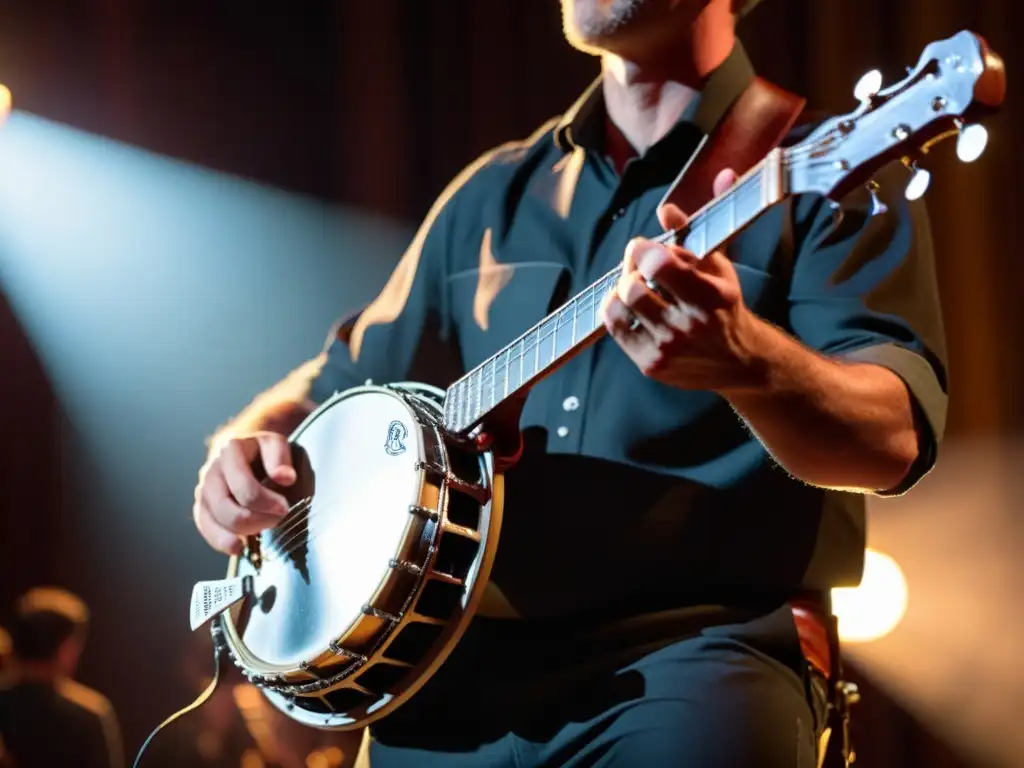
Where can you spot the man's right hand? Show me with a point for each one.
(230, 502)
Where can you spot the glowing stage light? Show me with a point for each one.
(5, 103)
(873, 609)
(335, 757)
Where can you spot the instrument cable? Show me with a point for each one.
(218, 648)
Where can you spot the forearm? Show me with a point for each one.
(279, 409)
(829, 423)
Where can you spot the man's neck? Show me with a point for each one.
(646, 95)
(47, 673)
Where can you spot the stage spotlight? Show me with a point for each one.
(874, 608)
(5, 103)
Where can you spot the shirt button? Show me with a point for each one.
(562, 431)
(571, 403)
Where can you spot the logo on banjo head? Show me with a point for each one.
(397, 432)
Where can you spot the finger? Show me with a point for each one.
(276, 455)
(672, 217)
(216, 535)
(248, 492)
(632, 247)
(619, 322)
(723, 180)
(717, 269)
(681, 279)
(635, 342)
(645, 305)
(228, 513)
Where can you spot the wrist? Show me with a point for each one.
(758, 348)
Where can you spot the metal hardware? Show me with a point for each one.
(918, 184)
(403, 565)
(425, 513)
(369, 610)
(877, 206)
(868, 86)
(971, 142)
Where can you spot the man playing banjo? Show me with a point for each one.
(688, 485)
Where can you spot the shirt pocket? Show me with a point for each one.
(494, 305)
(760, 261)
(762, 291)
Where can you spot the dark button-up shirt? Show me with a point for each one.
(64, 724)
(633, 495)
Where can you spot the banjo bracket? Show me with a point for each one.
(475, 491)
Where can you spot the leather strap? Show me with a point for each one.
(755, 124)
(814, 629)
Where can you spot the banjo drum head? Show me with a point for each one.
(357, 461)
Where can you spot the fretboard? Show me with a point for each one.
(578, 322)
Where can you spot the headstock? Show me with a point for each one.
(956, 82)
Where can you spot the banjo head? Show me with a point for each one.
(346, 616)
(330, 556)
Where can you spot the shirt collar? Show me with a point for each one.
(583, 124)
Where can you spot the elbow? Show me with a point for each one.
(884, 468)
(898, 463)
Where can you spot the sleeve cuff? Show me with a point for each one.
(928, 398)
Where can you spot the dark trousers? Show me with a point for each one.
(726, 697)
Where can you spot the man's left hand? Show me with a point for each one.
(681, 318)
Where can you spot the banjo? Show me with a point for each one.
(341, 612)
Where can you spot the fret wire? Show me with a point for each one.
(462, 404)
(522, 354)
(480, 391)
(508, 352)
(456, 407)
(554, 341)
(491, 402)
(541, 335)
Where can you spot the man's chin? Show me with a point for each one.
(585, 44)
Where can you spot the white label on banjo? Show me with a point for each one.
(210, 598)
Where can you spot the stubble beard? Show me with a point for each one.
(593, 21)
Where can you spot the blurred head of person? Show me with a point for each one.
(5, 649)
(47, 634)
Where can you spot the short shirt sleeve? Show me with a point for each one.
(864, 288)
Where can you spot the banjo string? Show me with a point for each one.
(296, 515)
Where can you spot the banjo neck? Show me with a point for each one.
(513, 370)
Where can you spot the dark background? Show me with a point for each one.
(367, 109)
